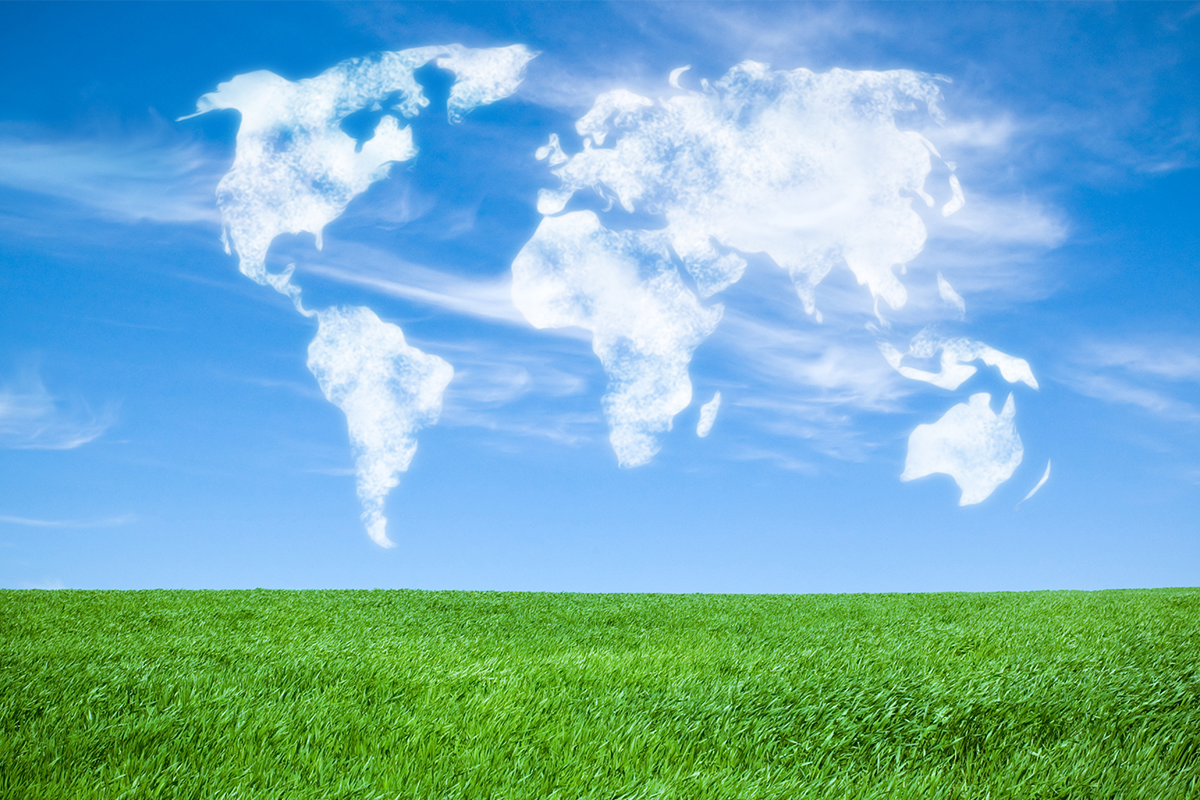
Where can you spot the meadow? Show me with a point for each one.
(475, 695)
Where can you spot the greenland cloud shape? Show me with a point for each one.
(388, 390)
(645, 323)
(972, 444)
(296, 170)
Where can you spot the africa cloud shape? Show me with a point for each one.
(645, 323)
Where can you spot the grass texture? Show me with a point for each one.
(475, 695)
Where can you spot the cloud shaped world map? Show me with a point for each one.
(810, 171)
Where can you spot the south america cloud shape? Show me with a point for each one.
(388, 390)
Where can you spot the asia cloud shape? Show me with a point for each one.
(295, 170)
(808, 168)
(972, 444)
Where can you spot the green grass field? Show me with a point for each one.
(411, 694)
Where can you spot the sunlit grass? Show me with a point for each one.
(508, 695)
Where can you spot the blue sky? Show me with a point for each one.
(160, 426)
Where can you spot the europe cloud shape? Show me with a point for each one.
(296, 170)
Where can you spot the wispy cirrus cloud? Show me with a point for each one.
(1172, 361)
(1122, 391)
(820, 363)
(33, 419)
(1158, 377)
(486, 299)
(157, 176)
(108, 522)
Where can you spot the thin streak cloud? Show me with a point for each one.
(153, 176)
(111, 522)
(33, 419)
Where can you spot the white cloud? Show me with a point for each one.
(517, 393)
(708, 415)
(781, 460)
(822, 425)
(956, 357)
(296, 170)
(111, 522)
(488, 299)
(776, 31)
(948, 295)
(972, 444)
(1141, 371)
(1039, 484)
(33, 419)
(388, 391)
(809, 168)
(988, 134)
(830, 364)
(562, 428)
(1011, 222)
(1167, 360)
(1122, 392)
(156, 176)
(645, 324)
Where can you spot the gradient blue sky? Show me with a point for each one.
(159, 427)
